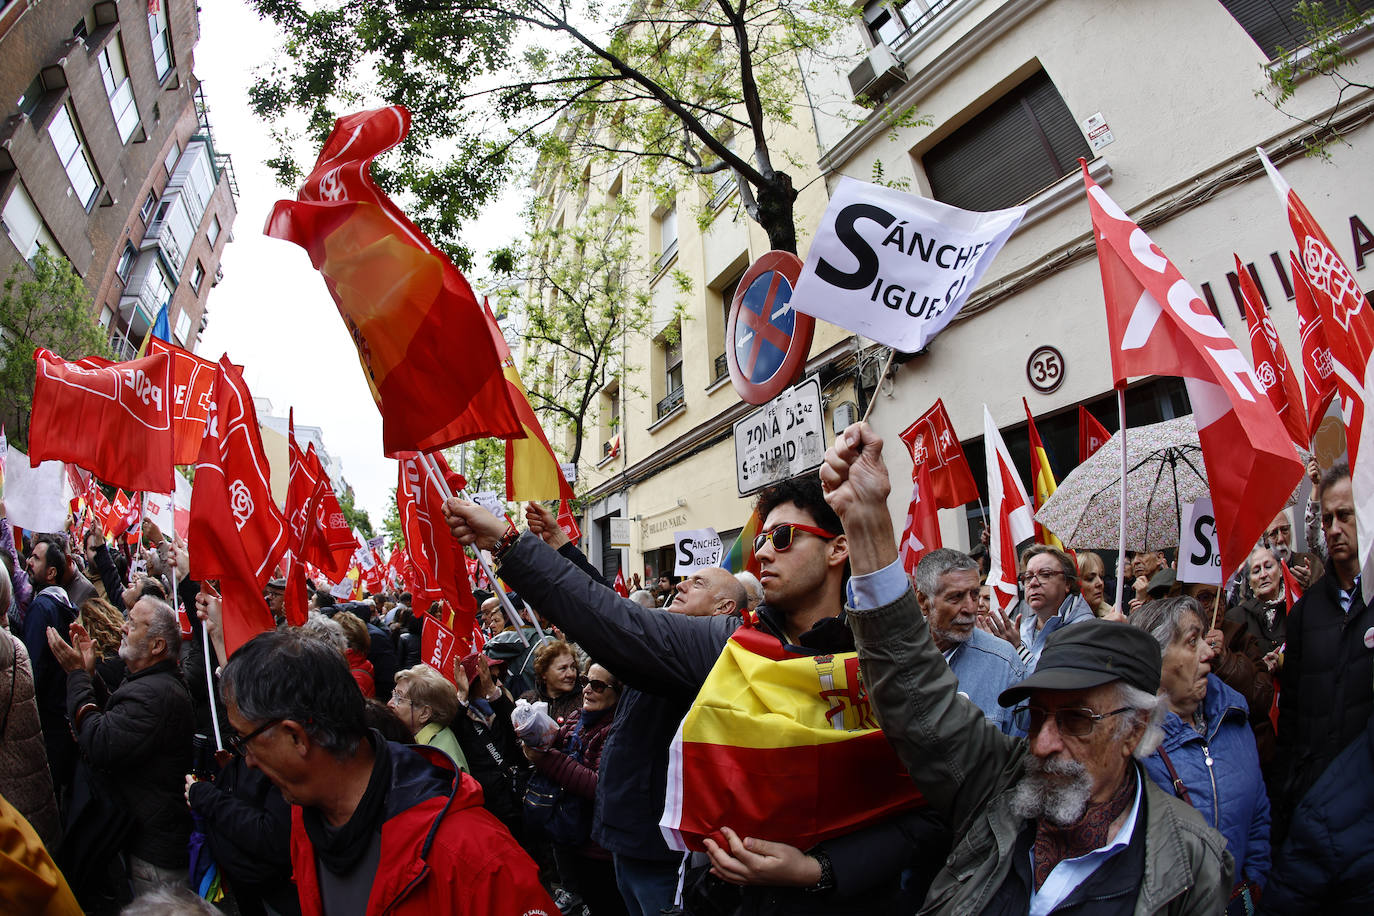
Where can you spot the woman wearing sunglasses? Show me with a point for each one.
(584, 868)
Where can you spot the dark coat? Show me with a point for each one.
(494, 758)
(670, 655)
(1327, 864)
(140, 736)
(1252, 614)
(1326, 694)
(382, 653)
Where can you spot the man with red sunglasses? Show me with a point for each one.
(804, 563)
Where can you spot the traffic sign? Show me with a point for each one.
(766, 339)
(781, 439)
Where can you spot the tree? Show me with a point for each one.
(356, 517)
(583, 292)
(677, 87)
(482, 463)
(391, 525)
(45, 304)
(1324, 54)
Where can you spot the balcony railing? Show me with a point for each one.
(666, 258)
(672, 402)
(722, 368)
(123, 349)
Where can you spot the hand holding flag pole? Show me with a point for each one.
(447, 492)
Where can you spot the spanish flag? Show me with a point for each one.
(413, 317)
(780, 747)
(1042, 477)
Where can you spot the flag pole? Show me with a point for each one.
(431, 466)
(205, 638)
(1121, 545)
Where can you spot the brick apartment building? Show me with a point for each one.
(106, 156)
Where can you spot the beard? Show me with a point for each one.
(129, 652)
(1056, 789)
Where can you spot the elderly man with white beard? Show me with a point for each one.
(1063, 820)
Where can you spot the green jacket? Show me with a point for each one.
(442, 737)
(966, 768)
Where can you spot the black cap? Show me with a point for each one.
(1161, 582)
(1091, 653)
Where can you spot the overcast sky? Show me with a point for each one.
(272, 313)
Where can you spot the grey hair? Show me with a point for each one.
(326, 630)
(163, 624)
(287, 674)
(168, 901)
(1162, 619)
(936, 564)
(753, 589)
(642, 597)
(1147, 707)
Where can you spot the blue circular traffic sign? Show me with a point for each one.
(767, 340)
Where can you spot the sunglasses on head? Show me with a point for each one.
(783, 535)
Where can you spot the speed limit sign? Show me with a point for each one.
(1045, 369)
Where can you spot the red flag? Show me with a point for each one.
(1318, 380)
(191, 381)
(922, 532)
(1271, 361)
(1092, 435)
(407, 308)
(568, 522)
(237, 534)
(440, 646)
(932, 442)
(113, 421)
(101, 510)
(1158, 325)
(1291, 591)
(1042, 478)
(437, 560)
(332, 550)
(301, 524)
(621, 588)
(1009, 514)
(125, 513)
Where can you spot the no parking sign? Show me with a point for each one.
(767, 340)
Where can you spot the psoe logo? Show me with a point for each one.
(240, 503)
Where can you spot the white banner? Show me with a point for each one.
(1199, 559)
(894, 266)
(489, 500)
(696, 549)
(38, 499)
(620, 532)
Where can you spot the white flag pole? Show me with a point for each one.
(1121, 546)
(432, 467)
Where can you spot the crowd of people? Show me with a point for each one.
(1201, 749)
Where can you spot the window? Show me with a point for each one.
(170, 161)
(183, 327)
(126, 261)
(162, 41)
(24, 225)
(1024, 142)
(889, 21)
(212, 232)
(1273, 25)
(197, 276)
(667, 237)
(119, 88)
(149, 203)
(33, 94)
(672, 374)
(71, 149)
(106, 316)
(720, 365)
(723, 182)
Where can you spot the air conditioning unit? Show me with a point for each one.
(880, 72)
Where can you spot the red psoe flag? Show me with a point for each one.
(1092, 435)
(1009, 509)
(191, 381)
(932, 442)
(567, 521)
(407, 308)
(237, 534)
(300, 524)
(114, 420)
(333, 549)
(1272, 368)
(440, 646)
(922, 532)
(437, 563)
(620, 587)
(1318, 378)
(1159, 325)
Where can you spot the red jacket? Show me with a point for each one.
(442, 852)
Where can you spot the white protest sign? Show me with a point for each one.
(696, 549)
(569, 471)
(620, 532)
(343, 590)
(894, 266)
(488, 500)
(38, 499)
(1199, 558)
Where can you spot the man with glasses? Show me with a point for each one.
(1049, 582)
(375, 826)
(803, 559)
(1061, 819)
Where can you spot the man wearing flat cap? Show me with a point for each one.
(1063, 820)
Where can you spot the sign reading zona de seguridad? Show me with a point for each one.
(894, 266)
(781, 439)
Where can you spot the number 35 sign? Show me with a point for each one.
(1045, 369)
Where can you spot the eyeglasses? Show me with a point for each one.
(399, 697)
(1072, 721)
(1045, 575)
(598, 686)
(240, 742)
(783, 535)
(1273, 533)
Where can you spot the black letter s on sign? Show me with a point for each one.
(867, 270)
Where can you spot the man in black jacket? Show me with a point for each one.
(139, 735)
(803, 559)
(51, 607)
(1326, 670)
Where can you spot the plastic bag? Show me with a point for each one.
(533, 724)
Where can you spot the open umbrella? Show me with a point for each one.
(1164, 471)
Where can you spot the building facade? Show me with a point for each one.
(107, 157)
